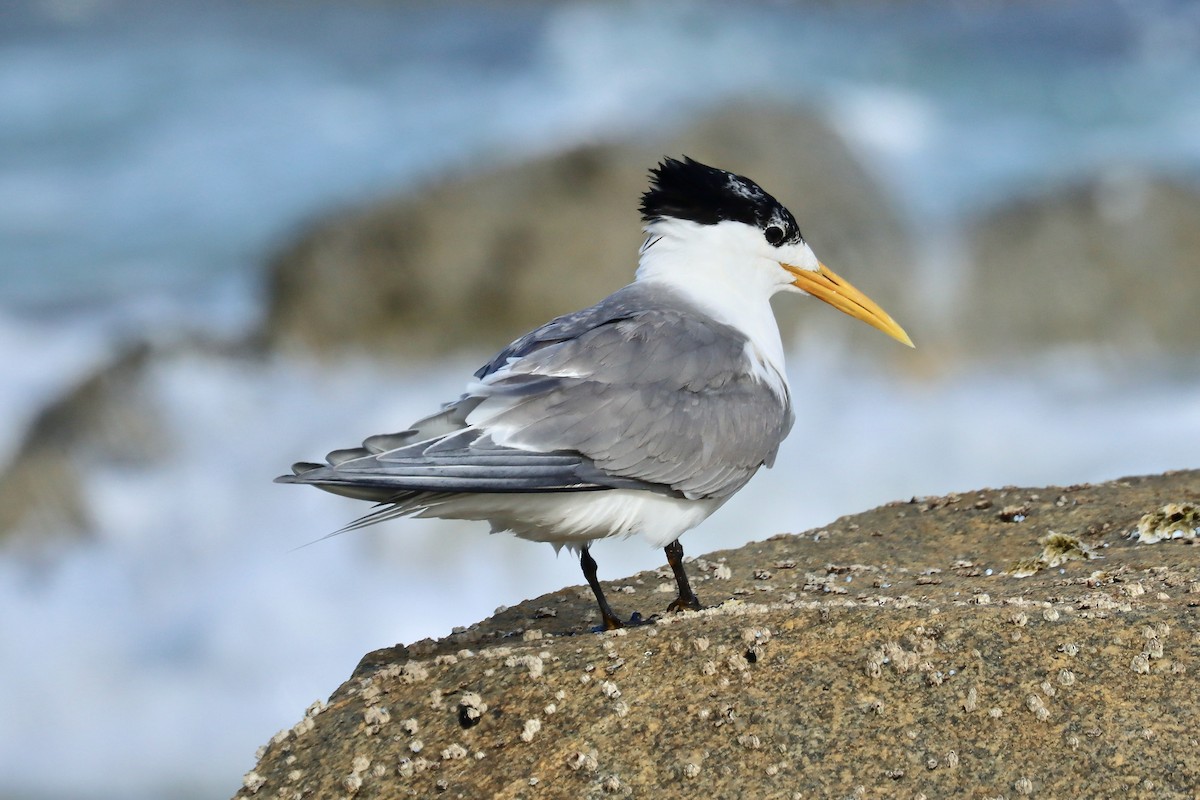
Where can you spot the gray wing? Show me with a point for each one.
(639, 391)
(659, 393)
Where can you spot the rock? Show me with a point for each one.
(889, 654)
(482, 258)
(106, 417)
(1113, 261)
(112, 417)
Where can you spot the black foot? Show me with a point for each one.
(636, 620)
(608, 622)
(681, 603)
(687, 600)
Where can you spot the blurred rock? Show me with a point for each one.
(482, 258)
(1113, 262)
(106, 418)
(892, 654)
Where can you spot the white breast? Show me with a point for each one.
(577, 518)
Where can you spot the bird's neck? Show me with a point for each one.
(729, 290)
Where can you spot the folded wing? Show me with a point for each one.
(640, 391)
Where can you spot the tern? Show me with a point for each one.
(642, 414)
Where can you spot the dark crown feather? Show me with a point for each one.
(697, 192)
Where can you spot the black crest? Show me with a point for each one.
(693, 191)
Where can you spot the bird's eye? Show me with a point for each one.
(774, 235)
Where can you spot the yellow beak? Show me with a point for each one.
(825, 284)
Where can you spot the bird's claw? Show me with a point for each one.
(681, 603)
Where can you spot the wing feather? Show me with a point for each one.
(640, 391)
(671, 390)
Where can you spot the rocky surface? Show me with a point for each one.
(894, 653)
(482, 258)
(1113, 261)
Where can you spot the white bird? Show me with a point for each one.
(642, 414)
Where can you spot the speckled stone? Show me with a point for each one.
(890, 654)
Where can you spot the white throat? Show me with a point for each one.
(714, 266)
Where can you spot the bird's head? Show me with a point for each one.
(732, 220)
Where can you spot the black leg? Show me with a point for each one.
(687, 599)
(589, 571)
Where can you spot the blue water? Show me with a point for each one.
(163, 148)
(153, 154)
